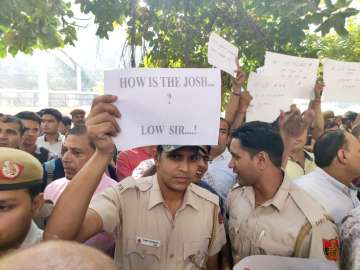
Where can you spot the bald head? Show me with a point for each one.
(58, 255)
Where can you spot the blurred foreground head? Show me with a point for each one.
(58, 255)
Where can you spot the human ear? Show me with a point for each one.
(261, 160)
(341, 156)
(37, 204)
(157, 158)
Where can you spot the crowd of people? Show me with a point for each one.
(286, 189)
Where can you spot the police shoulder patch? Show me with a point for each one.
(205, 194)
(125, 184)
(331, 249)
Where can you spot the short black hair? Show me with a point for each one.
(53, 112)
(28, 115)
(78, 131)
(66, 120)
(259, 136)
(327, 146)
(34, 191)
(6, 118)
(356, 131)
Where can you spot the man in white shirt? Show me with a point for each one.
(52, 139)
(219, 176)
(337, 155)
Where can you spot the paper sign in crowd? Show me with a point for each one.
(342, 81)
(281, 79)
(182, 106)
(166, 106)
(222, 54)
(284, 78)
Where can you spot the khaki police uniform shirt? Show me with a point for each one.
(273, 227)
(294, 170)
(147, 237)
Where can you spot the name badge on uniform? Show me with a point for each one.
(148, 242)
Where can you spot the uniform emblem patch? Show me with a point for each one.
(331, 249)
(10, 170)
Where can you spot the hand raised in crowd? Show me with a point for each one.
(285, 117)
(240, 77)
(245, 99)
(101, 123)
(318, 89)
(293, 123)
(308, 117)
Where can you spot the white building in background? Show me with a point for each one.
(64, 78)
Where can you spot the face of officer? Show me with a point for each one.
(176, 169)
(31, 133)
(76, 152)
(78, 119)
(243, 164)
(10, 135)
(16, 211)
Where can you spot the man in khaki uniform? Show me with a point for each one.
(20, 185)
(159, 222)
(267, 213)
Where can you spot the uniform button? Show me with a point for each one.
(171, 256)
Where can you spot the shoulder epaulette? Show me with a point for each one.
(129, 183)
(310, 208)
(330, 218)
(204, 193)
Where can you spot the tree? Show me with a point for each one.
(29, 24)
(345, 48)
(176, 32)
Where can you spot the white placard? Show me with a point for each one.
(269, 262)
(269, 97)
(342, 81)
(222, 54)
(166, 106)
(298, 72)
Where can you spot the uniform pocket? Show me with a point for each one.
(271, 247)
(196, 251)
(140, 254)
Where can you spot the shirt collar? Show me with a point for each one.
(189, 197)
(280, 197)
(156, 197)
(155, 193)
(307, 157)
(58, 139)
(337, 184)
